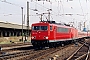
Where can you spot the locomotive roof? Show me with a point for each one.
(54, 23)
(62, 26)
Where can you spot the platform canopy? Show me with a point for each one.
(10, 25)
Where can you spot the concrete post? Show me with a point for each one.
(5, 33)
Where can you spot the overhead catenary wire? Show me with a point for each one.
(85, 15)
(10, 3)
(82, 10)
(31, 9)
(62, 6)
(25, 7)
(36, 3)
(14, 4)
(52, 10)
(60, 15)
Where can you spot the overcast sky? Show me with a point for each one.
(10, 11)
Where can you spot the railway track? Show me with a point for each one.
(30, 54)
(7, 47)
(81, 54)
(41, 57)
(14, 44)
(17, 54)
(24, 54)
(44, 55)
(6, 51)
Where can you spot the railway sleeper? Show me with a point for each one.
(80, 57)
(1, 58)
(12, 56)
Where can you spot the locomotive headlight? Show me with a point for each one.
(33, 37)
(46, 37)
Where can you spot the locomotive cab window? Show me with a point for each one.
(39, 27)
(43, 27)
(35, 27)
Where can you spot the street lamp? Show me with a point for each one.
(22, 23)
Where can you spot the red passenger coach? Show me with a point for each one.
(82, 34)
(49, 33)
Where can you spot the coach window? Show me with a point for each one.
(50, 27)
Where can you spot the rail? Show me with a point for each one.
(84, 50)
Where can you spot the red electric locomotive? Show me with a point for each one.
(49, 33)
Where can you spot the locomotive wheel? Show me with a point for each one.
(54, 45)
(62, 45)
(50, 45)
